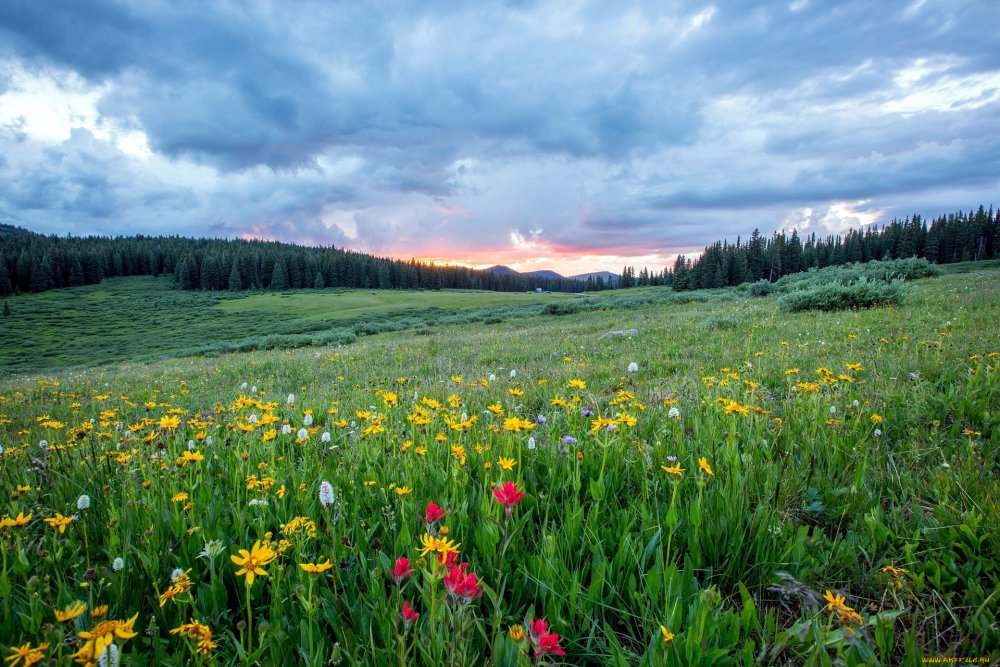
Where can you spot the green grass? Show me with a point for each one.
(144, 318)
(606, 545)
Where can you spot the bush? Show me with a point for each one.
(720, 322)
(912, 268)
(760, 288)
(560, 308)
(863, 293)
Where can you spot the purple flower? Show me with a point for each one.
(587, 412)
(568, 440)
(541, 419)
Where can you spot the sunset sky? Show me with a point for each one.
(574, 136)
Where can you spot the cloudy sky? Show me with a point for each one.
(571, 135)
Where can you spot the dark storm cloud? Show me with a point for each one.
(677, 123)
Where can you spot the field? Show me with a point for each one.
(761, 488)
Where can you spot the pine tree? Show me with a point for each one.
(6, 309)
(235, 282)
(278, 280)
(318, 283)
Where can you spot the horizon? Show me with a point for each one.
(490, 135)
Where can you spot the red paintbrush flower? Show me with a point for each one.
(433, 514)
(508, 496)
(543, 640)
(449, 559)
(463, 585)
(402, 569)
(409, 616)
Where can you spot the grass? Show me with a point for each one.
(840, 444)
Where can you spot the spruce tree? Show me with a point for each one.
(6, 309)
(318, 283)
(235, 282)
(278, 279)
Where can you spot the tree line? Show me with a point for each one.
(35, 263)
(955, 237)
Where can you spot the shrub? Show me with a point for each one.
(560, 308)
(863, 293)
(724, 321)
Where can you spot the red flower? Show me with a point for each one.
(544, 641)
(409, 616)
(402, 569)
(433, 514)
(508, 496)
(463, 585)
(449, 559)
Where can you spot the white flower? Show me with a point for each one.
(633, 367)
(1, 450)
(855, 403)
(465, 416)
(190, 445)
(416, 396)
(302, 434)
(531, 443)
(253, 389)
(833, 409)
(258, 502)
(945, 464)
(176, 575)
(325, 493)
(493, 378)
(308, 420)
(291, 399)
(252, 419)
(878, 432)
(208, 440)
(243, 386)
(325, 437)
(44, 444)
(286, 429)
(674, 412)
(109, 656)
(513, 373)
(83, 502)
(118, 565)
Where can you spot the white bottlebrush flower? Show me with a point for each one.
(209, 440)
(673, 412)
(253, 389)
(109, 656)
(325, 493)
(1, 450)
(855, 403)
(492, 378)
(83, 502)
(302, 434)
(308, 420)
(118, 565)
(833, 409)
(513, 373)
(243, 386)
(291, 399)
(531, 443)
(325, 437)
(43, 444)
(416, 396)
(258, 502)
(633, 367)
(190, 445)
(465, 416)
(176, 574)
(878, 432)
(286, 429)
(252, 419)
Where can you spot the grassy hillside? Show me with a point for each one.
(144, 317)
(710, 508)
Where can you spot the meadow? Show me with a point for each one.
(737, 485)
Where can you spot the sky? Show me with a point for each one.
(575, 135)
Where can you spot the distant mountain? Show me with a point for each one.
(606, 275)
(544, 274)
(500, 270)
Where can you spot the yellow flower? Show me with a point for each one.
(252, 562)
(703, 465)
(99, 611)
(675, 470)
(835, 601)
(316, 568)
(853, 367)
(496, 409)
(576, 383)
(667, 635)
(515, 425)
(70, 612)
(180, 497)
(200, 633)
(506, 464)
(457, 379)
(876, 418)
(169, 423)
(17, 522)
(25, 655)
(403, 490)
(189, 457)
(59, 521)
(439, 545)
(101, 636)
(516, 633)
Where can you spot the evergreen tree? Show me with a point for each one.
(235, 281)
(6, 309)
(278, 280)
(318, 283)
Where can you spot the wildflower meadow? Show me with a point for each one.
(734, 485)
